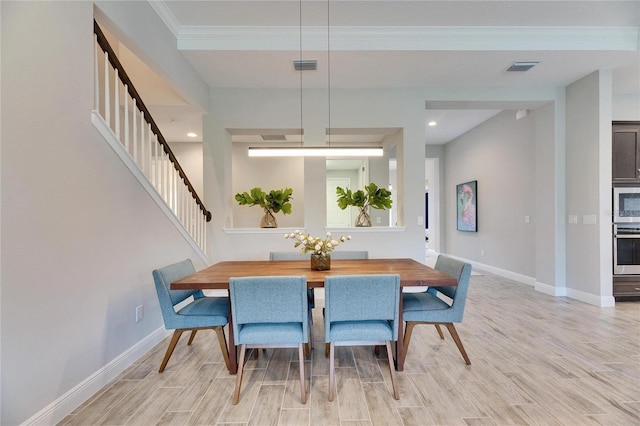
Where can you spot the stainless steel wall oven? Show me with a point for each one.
(626, 249)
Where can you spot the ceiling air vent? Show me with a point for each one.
(273, 138)
(305, 65)
(522, 66)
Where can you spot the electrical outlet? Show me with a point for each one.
(481, 252)
(139, 312)
(378, 220)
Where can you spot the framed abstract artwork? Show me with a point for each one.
(467, 206)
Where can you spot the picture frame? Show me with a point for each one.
(467, 206)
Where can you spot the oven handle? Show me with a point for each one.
(626, 236)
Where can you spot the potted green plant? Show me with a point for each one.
(372, 196)
(274, 201)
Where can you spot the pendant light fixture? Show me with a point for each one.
(317, 151)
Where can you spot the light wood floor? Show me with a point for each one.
(535, 360)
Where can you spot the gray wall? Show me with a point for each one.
(499, 154)
(273, 108)
(80, 236)
(588, 187)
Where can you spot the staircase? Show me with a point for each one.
(122, 118)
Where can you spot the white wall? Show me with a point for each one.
(80, 236)
(500, 155)
(189, 155)
(549, 194)
(626, 107)
(234, 108)
(268, 174)
(588, 187)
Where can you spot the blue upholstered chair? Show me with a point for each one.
(361, 310)
(269, 312)
(430, 308)
(199, 314)
(336, 254)
(295, 255)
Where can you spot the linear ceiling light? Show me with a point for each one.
(301, 65)
(375, 151)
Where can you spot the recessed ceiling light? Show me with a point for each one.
(192, 135)
(431, 123)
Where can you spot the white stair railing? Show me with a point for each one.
(123, 111)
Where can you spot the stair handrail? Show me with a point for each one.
(113, 59)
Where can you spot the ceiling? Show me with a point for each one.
(430, 45)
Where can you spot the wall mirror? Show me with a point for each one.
(356, 173)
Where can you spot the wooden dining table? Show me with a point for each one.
(412, 274)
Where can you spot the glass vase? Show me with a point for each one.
(320, 262)
(363, 218)
(268, 220)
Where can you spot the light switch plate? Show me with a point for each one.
(589, 219)
(573, 218)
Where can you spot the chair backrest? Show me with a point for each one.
(269, 299)
(288, 255)
(362, 298)
(349, 254)
(462, 272)
(336, 254)
(168, 298)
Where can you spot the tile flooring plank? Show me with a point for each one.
(536, 359)
(266, 410)
(294, 417)
(323, 412)
(382, 410)
(214, 401)
(152, 409)
(350, 396)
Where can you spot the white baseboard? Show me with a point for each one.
(501, 272)
(63, 406)
(592, 299)
(550, 290)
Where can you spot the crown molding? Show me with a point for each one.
(166, 15)
(409, 38)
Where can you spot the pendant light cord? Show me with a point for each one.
(300, 71)
(329, 69)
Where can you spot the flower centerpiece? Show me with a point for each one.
(319, 248)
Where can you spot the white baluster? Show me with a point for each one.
(149, 145)
(143, 141)
(155, 164)
(116, 102)
(164, 176)
(107, 106)
(134, 120)
(96, 83)
(126, 117)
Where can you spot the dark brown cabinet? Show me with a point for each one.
(626, 152)
(626, 287)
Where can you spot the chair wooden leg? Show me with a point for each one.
(172, 346)
(223, 345)
(236, 391)
(407, 336)
(392, 370)
(193, 335)
(303, 387)
(456, 338)
(331, 370)
(439, 331)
